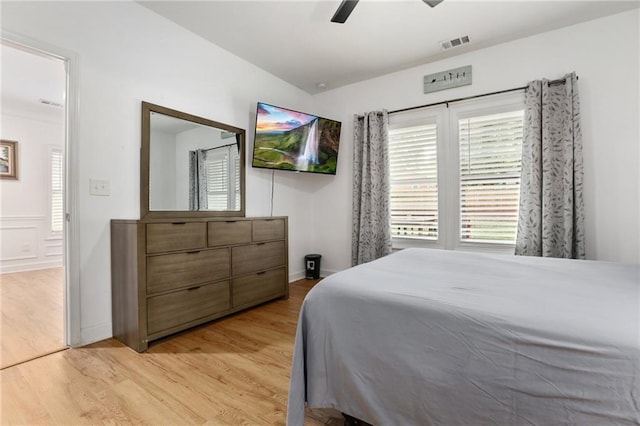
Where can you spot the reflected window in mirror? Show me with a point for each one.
(214, 178)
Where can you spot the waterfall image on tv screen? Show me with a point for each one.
(292, 140)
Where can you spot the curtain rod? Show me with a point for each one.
(551, 83)
(221, 146)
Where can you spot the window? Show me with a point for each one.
(455, 174)
(56, 192)
(490, 160)
(413, 166)
(217, 165)
(220, 170)
(236, 165)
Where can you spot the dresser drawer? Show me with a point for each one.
(229, 232)
(268, 229)
(257, 257)
(173, 309)
(172, 271)
(258, 287)
(175, 236)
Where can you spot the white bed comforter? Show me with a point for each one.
(433, 337)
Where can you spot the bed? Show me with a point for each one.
(435, 337)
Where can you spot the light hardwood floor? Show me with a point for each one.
(32, 322)
(228, 372)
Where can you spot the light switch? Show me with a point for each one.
(98, 187)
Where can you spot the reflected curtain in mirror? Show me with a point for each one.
(197, 180)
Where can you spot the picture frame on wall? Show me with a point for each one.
(8, 159)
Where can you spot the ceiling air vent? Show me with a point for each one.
(48, 102)
(446, 45)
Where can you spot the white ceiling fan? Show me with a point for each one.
(346, 7)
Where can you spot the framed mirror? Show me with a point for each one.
(190, 166)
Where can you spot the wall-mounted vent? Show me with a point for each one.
(448, 44)
(51, 103)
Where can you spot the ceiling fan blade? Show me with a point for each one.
(344, 10)
(432, 3)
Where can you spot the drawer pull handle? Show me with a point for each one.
(269, 220)
(193, 252)
(194, 288)
(231, 221)
(178, 223)
(260, 244)
(261, 273)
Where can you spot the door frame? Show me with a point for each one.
(71, 246)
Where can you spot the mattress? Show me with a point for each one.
(435, 337)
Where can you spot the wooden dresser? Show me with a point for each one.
(171, 274)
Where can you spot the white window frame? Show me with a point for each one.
(448, 151)
(224, 154)
(51, 234)
(475, 107)
(437, 115)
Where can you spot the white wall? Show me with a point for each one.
(128, 54)
(605, 55)
(24, 210)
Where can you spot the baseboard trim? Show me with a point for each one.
(7, 269)
(296, 276)
(301, 274)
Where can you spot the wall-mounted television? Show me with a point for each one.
(291, 140)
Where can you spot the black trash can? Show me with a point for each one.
(312, 266)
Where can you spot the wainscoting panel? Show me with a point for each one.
(24, 245)
(19, 243)
(53, 249)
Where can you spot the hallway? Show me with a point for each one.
(32, 322)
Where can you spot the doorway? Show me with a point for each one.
(33, 279)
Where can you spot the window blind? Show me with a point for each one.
(217, 168)
(237, 186)
(57, 191)
(414, 181)
(490, 164)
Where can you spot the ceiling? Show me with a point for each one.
(32, 82)
(295, 40)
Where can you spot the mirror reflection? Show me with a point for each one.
(193, 167)
(190, 166)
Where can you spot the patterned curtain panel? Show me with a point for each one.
(203, 203)
(198, 180)
(551, 215)
(371, 233)
(193, 181)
